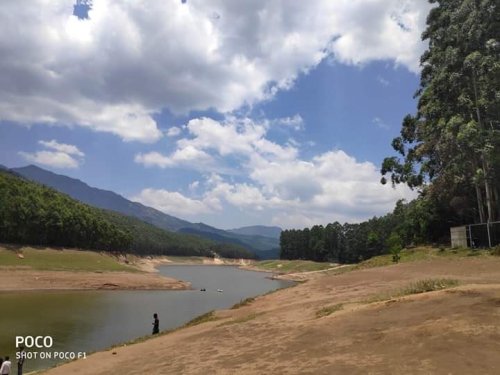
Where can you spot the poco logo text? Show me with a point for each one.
(34, 341)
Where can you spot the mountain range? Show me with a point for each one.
(262, 240)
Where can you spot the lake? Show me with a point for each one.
(86, 321)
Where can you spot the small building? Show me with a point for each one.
(459, 237)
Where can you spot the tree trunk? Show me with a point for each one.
(496, 203)
(479, 194)
(480, 204)
(484, 161)
(489, 194)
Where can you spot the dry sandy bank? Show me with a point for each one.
(455, 331)
(26, 279)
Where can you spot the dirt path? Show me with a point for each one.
(455, 331)
(26, 279)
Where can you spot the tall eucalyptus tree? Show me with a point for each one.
(450, 148)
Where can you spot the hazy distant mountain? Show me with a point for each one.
(101, 198)
(258, 230)
(112, 201)
(257, 243)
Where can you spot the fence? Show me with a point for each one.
(475, 236)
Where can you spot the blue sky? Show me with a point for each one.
(268, 113)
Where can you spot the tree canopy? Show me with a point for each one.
(450, 148)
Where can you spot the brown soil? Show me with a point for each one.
(26, 279)
(149, 264)
(455, 331)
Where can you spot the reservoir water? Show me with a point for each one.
(86, 321)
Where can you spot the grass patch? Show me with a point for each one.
(243, 319)
(325, 311)
(243, 302)
(185, 260)
(407, 255)
(413, 255)
(61, 260)
(417, 287)
(495, 251)
(208, 317)
(292, 266)
(429, 285)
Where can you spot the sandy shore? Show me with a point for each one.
(455, 331)
(21, 278)
(150, 264)
(26, 279)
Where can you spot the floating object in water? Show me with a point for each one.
(203, 290)
(220, 290)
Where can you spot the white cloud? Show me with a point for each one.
(296, 220)
(188, 155)
(173, 203)
(296, 122)
(153, 159)
(62, 147)
(174, 131)
(211, 141)
(114, 71)
(193, 186)
(381, 30)
(277, 182)
(61, 155)
(234, 136)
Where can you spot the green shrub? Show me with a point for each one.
(325, 311)
(207, 317)
(395, 245)
(495, 251)
(243, 302)
(429, 285)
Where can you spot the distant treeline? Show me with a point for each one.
(37, 215)
(416, 222)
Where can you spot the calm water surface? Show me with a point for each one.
(94, 320)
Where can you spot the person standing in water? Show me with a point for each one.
(156, 324)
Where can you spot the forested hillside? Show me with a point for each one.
(449, 150)
(109, 200)
(34, 214)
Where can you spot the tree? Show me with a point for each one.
(450, 148)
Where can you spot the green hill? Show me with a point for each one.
(259, 239)
(37, 215)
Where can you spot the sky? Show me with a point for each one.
(232, 113)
